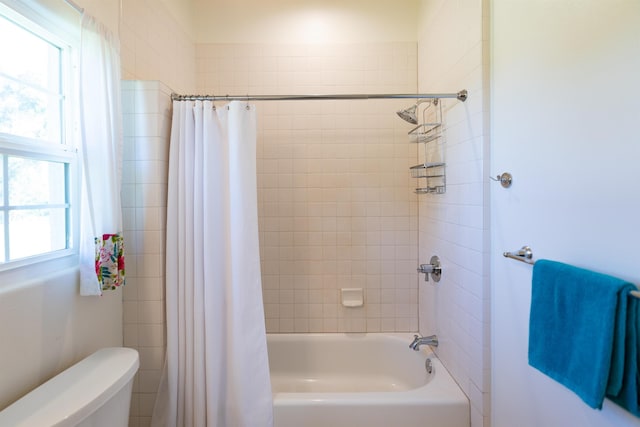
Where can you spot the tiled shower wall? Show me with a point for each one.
(453, 52)
(147, 120)
(336, 204)
(154, 45)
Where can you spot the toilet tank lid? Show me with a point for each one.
(75, 393)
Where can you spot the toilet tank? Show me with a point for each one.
(94, 392)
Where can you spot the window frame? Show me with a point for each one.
(65, 152)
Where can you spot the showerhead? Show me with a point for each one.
(409, 114)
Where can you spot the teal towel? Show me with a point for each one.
(623, 387)
(578, 328)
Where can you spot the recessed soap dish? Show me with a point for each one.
(352, 297)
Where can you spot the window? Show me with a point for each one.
(37, 156)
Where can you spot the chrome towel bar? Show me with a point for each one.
(525, 254)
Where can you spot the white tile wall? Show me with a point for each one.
(336, 206)
(154, 46)
(147, 119)
(451, 50)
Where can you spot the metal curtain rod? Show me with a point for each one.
(461, 96)
(75, 6)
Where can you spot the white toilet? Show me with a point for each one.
(95, 392)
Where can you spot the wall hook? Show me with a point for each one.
(505, 179)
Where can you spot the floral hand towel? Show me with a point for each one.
(110, 261)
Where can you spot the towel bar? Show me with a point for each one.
(525, 254)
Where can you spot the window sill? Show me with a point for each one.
(25, 272)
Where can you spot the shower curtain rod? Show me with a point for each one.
(461, 96)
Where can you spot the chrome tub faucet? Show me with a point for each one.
(431, 340)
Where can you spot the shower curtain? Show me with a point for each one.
(216, 369)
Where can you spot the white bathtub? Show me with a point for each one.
(368, 380)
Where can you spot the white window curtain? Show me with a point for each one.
(101, 244)
(217, 370)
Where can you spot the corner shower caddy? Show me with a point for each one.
(429, 131)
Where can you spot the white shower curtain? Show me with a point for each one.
(217, 371)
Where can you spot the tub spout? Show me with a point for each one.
(431, 340)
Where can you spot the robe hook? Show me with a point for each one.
(505, 179)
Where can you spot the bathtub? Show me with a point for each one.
(360, 380)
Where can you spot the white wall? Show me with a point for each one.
(565, 110)
(156, 38)
(155, 45)
(314, 21)
(183, 13)
(45, 326)
(454, 225)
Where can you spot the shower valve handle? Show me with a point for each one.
(433, 268)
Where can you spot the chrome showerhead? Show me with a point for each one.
(409, 114)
